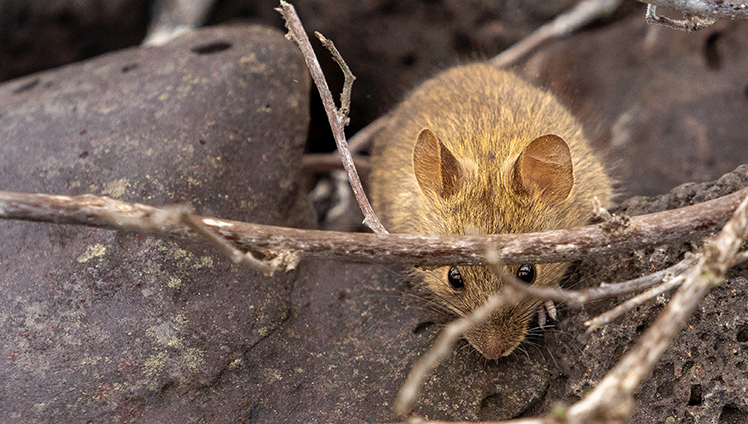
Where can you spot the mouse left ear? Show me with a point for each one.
(437, 170)
(544, 168)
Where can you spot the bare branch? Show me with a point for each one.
(689, 223)
(235, 254)
(583, 13)
(716, 8)
(443, 345)
(630, 304)
(345, 95)
(297, 34)
(690, 23)
(326, 162)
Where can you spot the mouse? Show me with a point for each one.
(478, 150)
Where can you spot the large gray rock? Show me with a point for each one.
(101, 326)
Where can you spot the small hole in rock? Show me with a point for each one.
(421, 327)
(409, 59)
(211, 48)
(743, 334)
(711, 53)
(695, 397)
(26, 87)
(128, 68)
(731, 415)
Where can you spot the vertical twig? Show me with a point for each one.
(297, 33)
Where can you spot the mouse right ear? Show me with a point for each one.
(437, 170)
(544, 169)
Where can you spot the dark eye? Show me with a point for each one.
(455, 279)
(526, 273)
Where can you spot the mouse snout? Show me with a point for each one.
(499, 335)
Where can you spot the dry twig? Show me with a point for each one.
(689, 223)
(583, 13)
(345, 95)
(697, 14)
(297, 34)
(630, 304)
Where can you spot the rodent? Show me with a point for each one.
(476, 147)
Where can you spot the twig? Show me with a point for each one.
(235, 254)
(605, 290)
(718, 9)
(583, 13)
(443, 345)
(689, 223)
(326, 162)
(345, 95)
(630, 304)
(690, 23)
(296, 33)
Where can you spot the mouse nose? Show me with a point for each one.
(498, 336)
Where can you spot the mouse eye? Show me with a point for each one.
(526, 273)
(455, 279)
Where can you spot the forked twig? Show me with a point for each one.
(297, 34)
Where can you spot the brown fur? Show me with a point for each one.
(485, 119)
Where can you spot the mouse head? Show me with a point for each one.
(523, 193)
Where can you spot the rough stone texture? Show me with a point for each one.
(107, 327)
(703, 376)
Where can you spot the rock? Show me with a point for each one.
(97, 325)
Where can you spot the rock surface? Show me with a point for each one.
(108, 327)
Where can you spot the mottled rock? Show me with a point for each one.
(102, 326)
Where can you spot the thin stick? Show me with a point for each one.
(235, 254)
(605, 290)
(630, 304)
(297, 34)
(326, 162)
(583, 13)
(689, 223)
(705, 9)
(345, 95)
(690, 23)
(443, 346)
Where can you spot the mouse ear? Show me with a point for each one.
(544, 168)
(437, 170)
